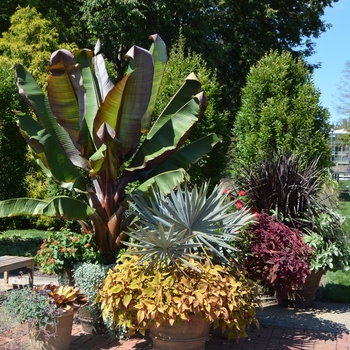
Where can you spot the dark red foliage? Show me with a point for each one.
(278, 257)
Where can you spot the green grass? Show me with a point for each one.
(337, 287)
(343, 185)
(344, 208)
(21, 242)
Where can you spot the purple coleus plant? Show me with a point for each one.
(276, 254)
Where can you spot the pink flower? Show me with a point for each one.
(256, 212)
(239, 204)
(241, 193)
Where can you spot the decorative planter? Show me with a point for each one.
(304, 297)
(189, 335)
(61, 341)
(91, 321)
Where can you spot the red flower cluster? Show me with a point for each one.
(240, 199)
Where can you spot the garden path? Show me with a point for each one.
(326, 326)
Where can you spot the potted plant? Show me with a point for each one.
(275, 255)
(88, 276)
(95, 138)
(329, 241)
(295, 192)
(48, 310)
(178, 276)
(61, 250)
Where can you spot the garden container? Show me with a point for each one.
(189, 335)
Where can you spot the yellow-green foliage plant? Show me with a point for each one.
(135, 300)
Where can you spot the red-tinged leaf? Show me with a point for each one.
(66, 92)
(92, 102)
(35, 97)
(160, 57)
(103, 79)
(127, 102)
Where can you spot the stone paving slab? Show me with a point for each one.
(265, 338)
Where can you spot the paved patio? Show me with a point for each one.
(265, 338)
(326, 326)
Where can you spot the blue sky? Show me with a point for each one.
(332, 50)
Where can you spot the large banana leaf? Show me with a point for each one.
(64, 207)
(160, 57)
(35, 97)
(131, 101)
(187, 155)
(191, 87)
(174, 169)
(66, 92)
(171, 129)
(165, 180)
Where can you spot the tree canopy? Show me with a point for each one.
(280, 112)
(229, 35)
(12, 145)
(30, 41)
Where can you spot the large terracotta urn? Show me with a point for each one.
(189, 335)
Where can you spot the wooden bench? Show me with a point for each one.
(9, 263)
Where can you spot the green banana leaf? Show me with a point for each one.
(171, 129)
(174, 169)
(165, 180)
(62, 206)
(187, 155)
(160, 57)
(35, 97)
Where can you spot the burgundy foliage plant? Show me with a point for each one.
(276, 254)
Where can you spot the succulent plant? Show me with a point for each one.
(66, 297)
(41, 306)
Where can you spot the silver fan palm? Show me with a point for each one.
(196, 223)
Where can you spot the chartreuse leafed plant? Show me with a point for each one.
(87, 134)
(170, 270)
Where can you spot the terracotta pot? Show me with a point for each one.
(61, 341)
(91, 321)
(189, 335)
(304, 297)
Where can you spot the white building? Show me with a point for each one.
(340, 153)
